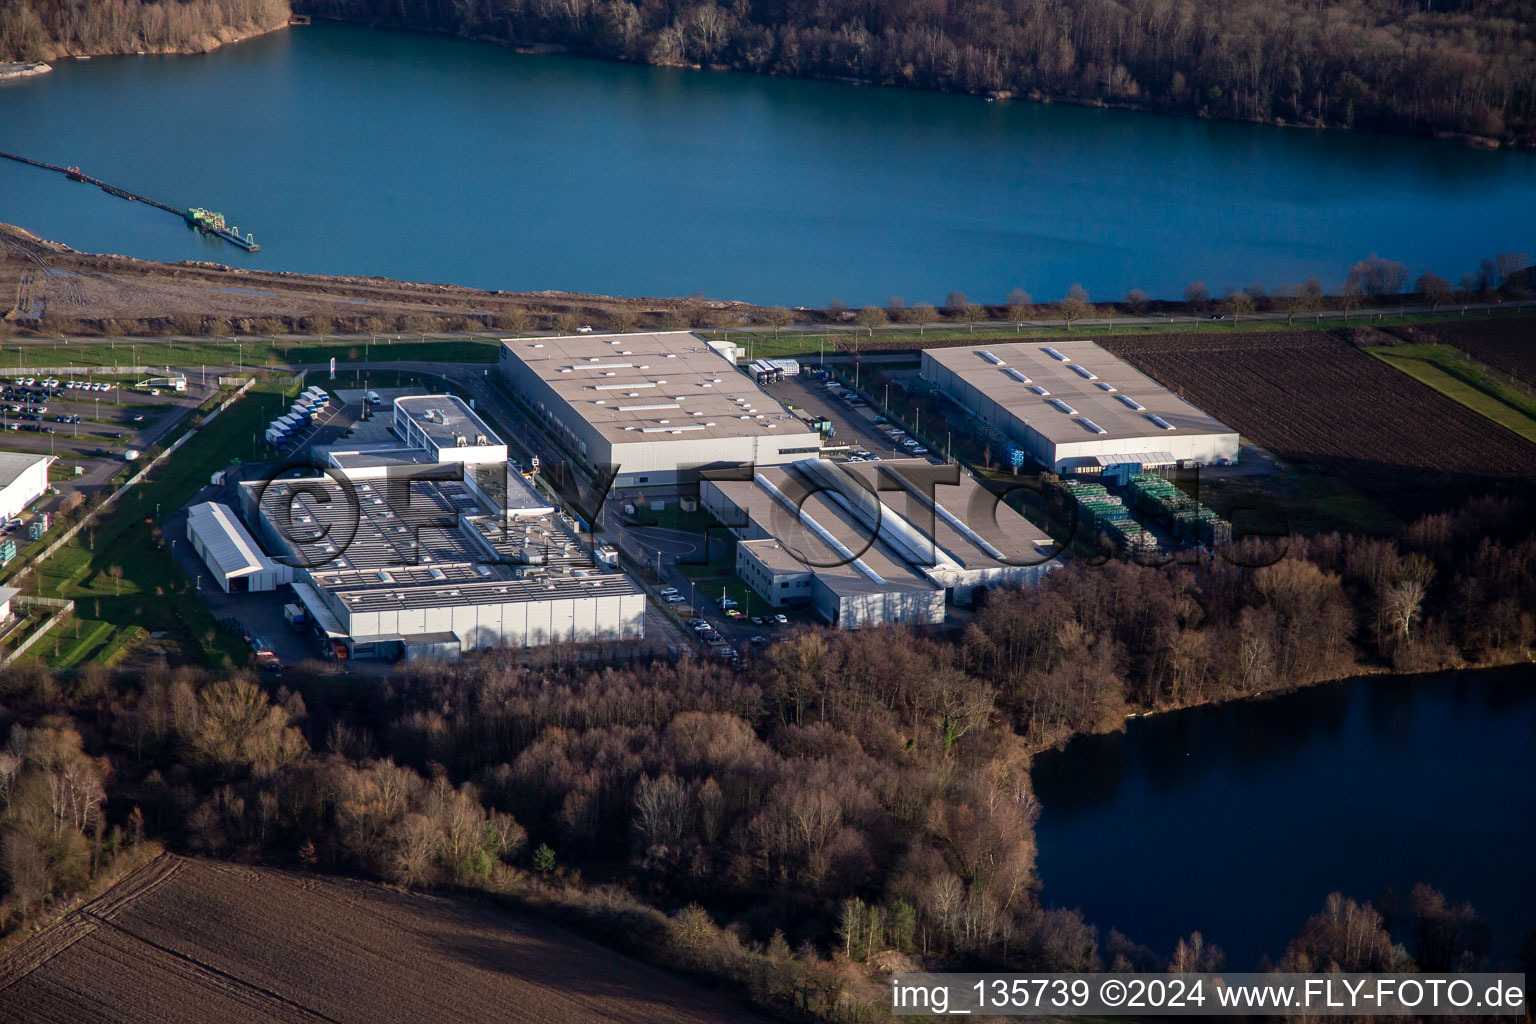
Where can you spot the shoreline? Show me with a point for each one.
(13, 69)
(226, 35)
(1363, 672)
(1468, 140)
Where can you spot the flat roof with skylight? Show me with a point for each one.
(1070, 403)
(664, 403)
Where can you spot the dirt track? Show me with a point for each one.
(196, 941)
(83, 290)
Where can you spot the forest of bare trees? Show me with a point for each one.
(1461, 66)
(849, 794)
(47, 29)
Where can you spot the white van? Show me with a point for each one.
(374, 399)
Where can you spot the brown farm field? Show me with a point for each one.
(197, 941)
(1316, 399)
(1506, 345)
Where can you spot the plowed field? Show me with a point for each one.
(195, 941)
(1507, 345)
(1317, 399)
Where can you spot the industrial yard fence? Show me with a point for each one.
(106, 503)
(61, 609)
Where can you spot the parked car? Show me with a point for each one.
(781, 619)
(667, 591)
(674, 598)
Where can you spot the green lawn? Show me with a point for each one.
(1463, 379)
(119, 570)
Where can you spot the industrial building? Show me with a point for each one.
(237, 562)
(23, 479)
(419, 565)
(1074, 408)
(660, 407)
(873, 543)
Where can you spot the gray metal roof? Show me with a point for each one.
(445, 418)
(234, 551)
(427, 544)
(662, 386)
(1072, 391)
(13, 464)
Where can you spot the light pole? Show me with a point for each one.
(887, 403)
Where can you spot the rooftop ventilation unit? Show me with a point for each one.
(989, 357)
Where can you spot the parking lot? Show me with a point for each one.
(856, 424)
(90, 424)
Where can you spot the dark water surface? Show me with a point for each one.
(1239, 820)
(348, 150)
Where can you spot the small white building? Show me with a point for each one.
(23, 479)
(230, 552)
(447, 429)
(6, 593)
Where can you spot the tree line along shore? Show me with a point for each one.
(1461, 69)
(126, 297)
(41, 30)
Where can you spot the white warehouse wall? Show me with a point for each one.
(28, 486)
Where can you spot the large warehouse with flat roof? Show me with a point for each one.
(1073, 407)
(660, 406)
(872, 544)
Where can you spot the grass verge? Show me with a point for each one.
(119, 570)
(1459, 377)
